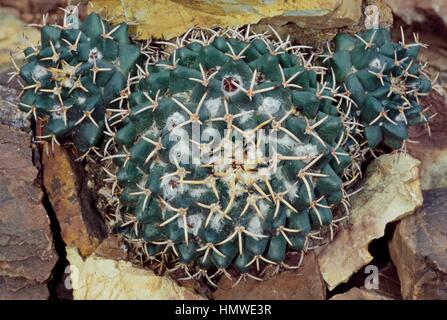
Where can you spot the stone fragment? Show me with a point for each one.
(99, 278)
(27, 255)
(305, 283)
(360, 294)
(81, 226)
(391, 191)
(419, 249)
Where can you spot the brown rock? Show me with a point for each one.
(389, 284)
(305, 283)
(360, 294)
(432, 12)
(81, 226)
(418, 249)
(432, 149)
(27, 256)
(391, 191)
(112, 248)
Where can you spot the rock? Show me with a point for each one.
(360, 294)
(418, 249)
(99, 278)
(31, 11)
(27, 255)
(13, 36)
(391, 191)
(432, 12)
(10, 114)
(305, 283)
(112, 248)
(389, 284)
(170, 18)
(81, 226)
(431, 150)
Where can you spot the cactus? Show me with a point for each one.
(386, 82)
(73, 75)
(221, 211)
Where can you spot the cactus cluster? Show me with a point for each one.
(224, 209)
(225, 149)
(385, 79)
(73, 75)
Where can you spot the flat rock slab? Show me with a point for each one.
(81, 226)
(305, 283)
(419, 249)
(391, 191)
(27, 255)
(99, 278)
(170, 18)
(360, 294)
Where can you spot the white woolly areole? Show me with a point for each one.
(269, 106)
(39, 72)
(81, 100)
(169, 191)
(216, 223)
(94, 52)
(196, 193)
(254, 225)
(213, 106)
(306, 150)
(243, 119)
(235, 77)
(194, 223)
(263, 206)
(375, 63)
(292, 189)
(174, 120)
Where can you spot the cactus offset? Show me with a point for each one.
(74, 75)
(386, 81)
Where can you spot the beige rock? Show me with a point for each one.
(419, 249)
(170, 18)
(360, 294)
(99, 278)
(64, 182)
(305, 283)
(12, 37)
(391, 192)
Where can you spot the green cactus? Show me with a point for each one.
(222, 211)
(73, 75)
(385, 80)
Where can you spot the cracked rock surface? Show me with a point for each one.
(27, 254)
